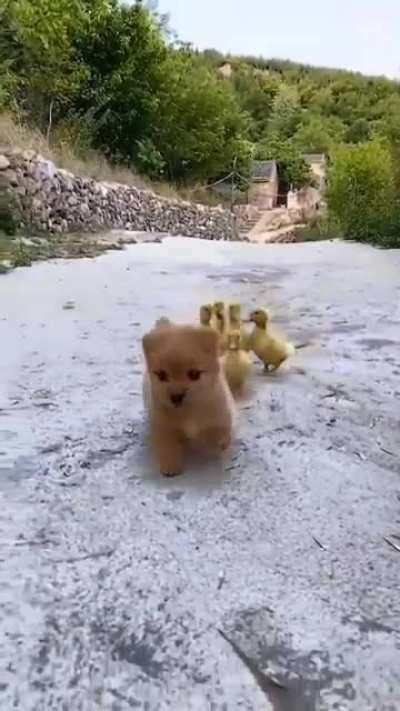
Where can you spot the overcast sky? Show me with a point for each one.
(363, 35)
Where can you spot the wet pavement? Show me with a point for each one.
(268, 581)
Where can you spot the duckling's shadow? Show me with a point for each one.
(277, 377)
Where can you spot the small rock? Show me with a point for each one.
(11, 177)
(4, 163)
(28, 155)
(84, 209)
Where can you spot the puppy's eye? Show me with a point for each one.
(162, 375)
(194, 374)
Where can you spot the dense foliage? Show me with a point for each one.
(106, 73)
(362, 193)
(110, 76)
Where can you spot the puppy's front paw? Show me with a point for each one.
(169, 451)
(170, 466)
(217, 438)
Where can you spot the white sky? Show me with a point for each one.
(363, 35)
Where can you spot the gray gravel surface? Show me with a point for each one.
(262, 582)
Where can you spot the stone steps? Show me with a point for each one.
(248, 225)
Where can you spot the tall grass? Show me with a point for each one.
(80, 160)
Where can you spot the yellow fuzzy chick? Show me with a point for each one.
(206, 314)
(219, 317)
(235, 324)
(271, 351)
(237, 364)
(219, 322)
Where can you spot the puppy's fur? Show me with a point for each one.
(186, 392)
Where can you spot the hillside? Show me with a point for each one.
(105, 76)
(312, 106)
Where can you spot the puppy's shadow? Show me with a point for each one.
(201, 474)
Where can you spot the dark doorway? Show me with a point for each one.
(283, 189)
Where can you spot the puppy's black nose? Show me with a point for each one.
(177, 398)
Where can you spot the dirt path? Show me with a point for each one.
(115, 585)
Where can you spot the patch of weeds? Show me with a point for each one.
(6, 250)
(8, 215)
(22, 250)
(8, 231)
(319, 228)
(22, 256)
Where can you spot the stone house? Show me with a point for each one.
(317, 164)
(310, 198)
(307, 199)
(264, 186)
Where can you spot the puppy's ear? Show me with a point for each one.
(151, 342)
(209, 341)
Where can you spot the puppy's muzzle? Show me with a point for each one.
(177, 399)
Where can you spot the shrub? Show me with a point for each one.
(361, 193)
(318, 228)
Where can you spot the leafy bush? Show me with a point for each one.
(361, 194)
(293, 169)
(319, 228)
(200, 130)
(8, 214)
(318, 134)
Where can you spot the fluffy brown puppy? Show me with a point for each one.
(186, 392)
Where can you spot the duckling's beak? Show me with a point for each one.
(246, 320)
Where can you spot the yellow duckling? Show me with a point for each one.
(206, 314)
(219, 322)
(236, 363)
(235, 324)
(219, 318)
(271, 351)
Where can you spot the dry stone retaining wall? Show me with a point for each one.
(48, 199)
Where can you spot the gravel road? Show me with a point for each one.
(270, 581)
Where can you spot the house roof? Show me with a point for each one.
(263, 170)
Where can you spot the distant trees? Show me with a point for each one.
(105, 71)
(107, 75)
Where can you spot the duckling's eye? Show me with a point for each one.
(162, 375)
(194, 374)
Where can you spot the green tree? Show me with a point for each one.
(200, 129)
(388, 128)
(286, 114)
(318, 134)
(361, 191)
(293, 170)
(358, 132)
(125, 55)
(37, 38)
(256, 90)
